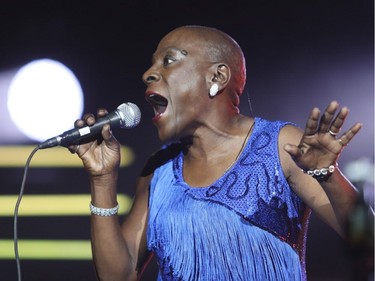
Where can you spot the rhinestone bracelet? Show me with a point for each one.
(321, 174)
(104, 212)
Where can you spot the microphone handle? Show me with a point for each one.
(84, 134)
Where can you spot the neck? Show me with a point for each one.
(213, 138)
(209, 156)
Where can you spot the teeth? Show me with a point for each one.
(155, 111)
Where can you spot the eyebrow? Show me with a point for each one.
(183, 51)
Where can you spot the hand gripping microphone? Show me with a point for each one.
(127, 115)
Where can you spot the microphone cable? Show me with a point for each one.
(15, 237)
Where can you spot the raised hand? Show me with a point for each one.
(322, 141)
(100, 156)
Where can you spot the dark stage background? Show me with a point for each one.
(300, 54)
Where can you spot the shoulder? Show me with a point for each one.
(281, 133)
(284, 131)
(290, 133)
(266, 124)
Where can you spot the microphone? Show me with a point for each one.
(127, 115)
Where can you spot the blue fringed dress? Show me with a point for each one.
(248, 225)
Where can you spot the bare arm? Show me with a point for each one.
(316, 147)
(117, 249)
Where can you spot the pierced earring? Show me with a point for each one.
(214, 89)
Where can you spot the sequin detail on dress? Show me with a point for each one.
(242, 227)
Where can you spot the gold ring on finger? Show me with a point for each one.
(341, 142)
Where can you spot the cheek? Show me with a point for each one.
(188, 95)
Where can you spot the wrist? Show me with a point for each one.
(104, 190)
(321, 174)
(103, 212)
(106, 181)
(105, 177)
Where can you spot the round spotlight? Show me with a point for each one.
(44, 99)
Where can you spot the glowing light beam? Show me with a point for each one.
(16, 156)
(55, 205)
(47, 249)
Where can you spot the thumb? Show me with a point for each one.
(293, 150)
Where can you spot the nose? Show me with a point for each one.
(150, 76)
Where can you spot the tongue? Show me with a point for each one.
(160, 109)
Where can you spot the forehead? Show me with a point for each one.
(182, 39)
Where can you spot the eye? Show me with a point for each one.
(168, 60)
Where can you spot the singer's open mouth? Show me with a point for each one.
(158, 102)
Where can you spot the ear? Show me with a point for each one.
(219, 73)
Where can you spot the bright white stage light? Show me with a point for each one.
(44, 99)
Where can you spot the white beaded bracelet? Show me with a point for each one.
(104, 212)
(321, 174)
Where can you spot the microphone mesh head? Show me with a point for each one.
(131, 115)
